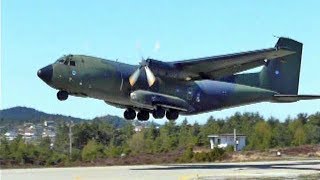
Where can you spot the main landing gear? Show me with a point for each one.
(172, 115)
(143, 115)
(62, 95)
(129, 114)
(158, 113)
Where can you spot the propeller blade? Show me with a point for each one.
(134, 77)
(150, 76)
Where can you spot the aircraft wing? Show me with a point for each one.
(215, 67)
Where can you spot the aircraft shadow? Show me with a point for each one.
(230, 166)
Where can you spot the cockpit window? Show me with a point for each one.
(66, 62)
(72, 63)
(61, 60)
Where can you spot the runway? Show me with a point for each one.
(242, 170)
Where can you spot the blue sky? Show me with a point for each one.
(36, 33)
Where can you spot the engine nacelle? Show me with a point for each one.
(166, 70)
(151, 100)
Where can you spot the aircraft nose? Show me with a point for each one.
(46, 73)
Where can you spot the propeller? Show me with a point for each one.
(135, 75)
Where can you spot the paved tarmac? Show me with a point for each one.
(242, 170)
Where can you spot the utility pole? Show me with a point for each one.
(235, 139)
(70, 138)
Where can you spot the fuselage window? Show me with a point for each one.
(72, 63)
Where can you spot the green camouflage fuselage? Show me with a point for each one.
(182, 87)
(108, 81)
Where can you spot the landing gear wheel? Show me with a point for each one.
(143, 116)
(62, 95)
(159, 113)
(129, 114)
(172, 115)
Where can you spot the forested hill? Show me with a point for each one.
(20, 115)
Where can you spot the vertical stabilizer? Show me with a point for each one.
(282, 75)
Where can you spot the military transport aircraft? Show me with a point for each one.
(183, 87)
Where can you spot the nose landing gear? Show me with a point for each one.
(62, 95)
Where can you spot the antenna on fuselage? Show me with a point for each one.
(276, 36)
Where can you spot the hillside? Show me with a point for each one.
(19, 115)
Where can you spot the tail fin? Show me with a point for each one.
(282, 75)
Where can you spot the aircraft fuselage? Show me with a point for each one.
(108, 81)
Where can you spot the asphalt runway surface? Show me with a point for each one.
(241, 170)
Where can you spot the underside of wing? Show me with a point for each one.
(219, 66)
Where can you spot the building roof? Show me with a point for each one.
(225, 135)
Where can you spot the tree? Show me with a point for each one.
(61, 143)
(186, 137)
(281, 136)
(137, 143)
(261, 137)
(4, 149)
(45, 143)
(126, 133)
(98, 130)
(303, 117)
(312, 129)
(315, 119)
(299, 137)
(91, 151)
(312, 133)
(195, 131)
(82, 133)
(168, 138)
(149, 135)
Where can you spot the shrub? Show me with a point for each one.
(187, 155)
(75, 154)
(216, 154)
(213, 155)
(56, 158)
(229, 148)
(201, 157)
(113, 151)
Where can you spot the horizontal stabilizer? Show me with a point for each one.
(286, 98)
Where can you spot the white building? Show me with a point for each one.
(224, 140)
(138, 128)
(49, 123)
(11, 135)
